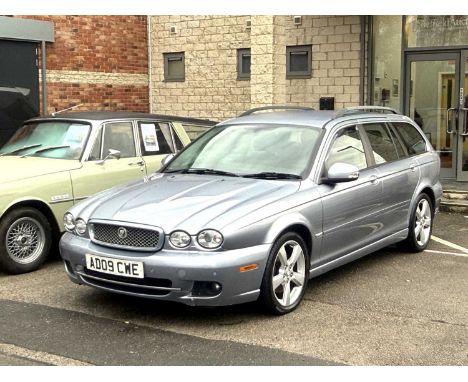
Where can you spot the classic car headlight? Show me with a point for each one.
(69, 222)
(210, 239)
(179, 239)
(80, 226)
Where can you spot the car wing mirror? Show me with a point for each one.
(341, 172)
(167, 159)
(111, 154)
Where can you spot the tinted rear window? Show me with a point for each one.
(411, 137)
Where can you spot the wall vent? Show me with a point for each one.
(297, 20)
(173, 29)
(248, 24)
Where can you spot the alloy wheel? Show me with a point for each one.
(25, 240)
(422, 227)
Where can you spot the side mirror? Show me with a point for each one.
(341, 172)
(167, 159)
(111, 154)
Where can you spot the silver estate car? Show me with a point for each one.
(258, 205)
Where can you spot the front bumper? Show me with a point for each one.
(172, 274)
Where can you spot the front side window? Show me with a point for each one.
(155, 138)
(253, 149)
(119, 136)
(347, 148)
(413, 140)
(382, 145)
(49, 139)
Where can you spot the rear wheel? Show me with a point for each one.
(420, 227)
(25, 239)
(286, 275)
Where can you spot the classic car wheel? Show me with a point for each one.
(25, 239)
(286, 275)
(420, 227)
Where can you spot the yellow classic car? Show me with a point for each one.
(53, 162)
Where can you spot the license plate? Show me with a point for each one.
(114, 266)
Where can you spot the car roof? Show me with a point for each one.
(312, 118)
(107, 115)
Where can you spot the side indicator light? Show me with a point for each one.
(249, 267)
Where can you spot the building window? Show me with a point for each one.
(298, 61)
(243, 64)
(174, 66)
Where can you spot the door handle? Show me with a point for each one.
(374, 179)
(464, 129)
(412, 167)
(139, 163)
(450, 125)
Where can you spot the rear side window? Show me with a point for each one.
(155, 138)
(382, 145)
(411, 137)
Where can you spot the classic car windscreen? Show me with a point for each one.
(50, 139)
(252, 149)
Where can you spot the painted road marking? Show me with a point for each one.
(446, 253)
(39, 356)
(449, 244)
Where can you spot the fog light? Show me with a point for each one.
(206, 288)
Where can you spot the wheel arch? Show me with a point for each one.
(39, 205)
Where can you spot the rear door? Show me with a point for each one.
(398, 173)
(350, 209)
(96, 175)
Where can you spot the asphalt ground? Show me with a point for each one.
(389, 308)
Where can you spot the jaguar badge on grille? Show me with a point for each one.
(122, 232)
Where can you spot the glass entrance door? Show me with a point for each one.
(435, 97)
(462, 166)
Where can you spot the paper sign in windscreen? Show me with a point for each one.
(150, 139)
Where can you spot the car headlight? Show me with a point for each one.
(69, 222)
(80, 226)
(180, 239)
(210, 239)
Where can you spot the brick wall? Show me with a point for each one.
(210, 42)
(335, 60)
(98, 61)
(211, 89)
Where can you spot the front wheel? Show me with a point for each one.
(25, 240)
(286, 275)
(420, 227)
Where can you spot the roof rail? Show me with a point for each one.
(274, 107)
(368, 109)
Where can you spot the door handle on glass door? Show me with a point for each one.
(450, 123)
(464, 129)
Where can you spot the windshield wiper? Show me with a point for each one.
(272, 175)
(47, 149)
(21, 149)
(193, 170)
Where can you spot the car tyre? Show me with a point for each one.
(286, 275)
(420, 225)
(25, 240)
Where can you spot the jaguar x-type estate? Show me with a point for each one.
(258, 205)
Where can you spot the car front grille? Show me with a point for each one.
(123, 235)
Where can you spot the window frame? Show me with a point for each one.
(241, 75)
(369, 144)
(295, 49)
(173, 56)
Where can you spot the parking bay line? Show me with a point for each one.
(39, 356)
(449, 244)
(445, 253)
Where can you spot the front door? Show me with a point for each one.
(435, 98)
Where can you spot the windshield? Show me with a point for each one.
(250, 150)
(51, 139)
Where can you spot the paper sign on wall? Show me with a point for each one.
(150, 139)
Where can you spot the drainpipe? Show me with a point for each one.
(362, 65)
(150, 93)
(44, 79)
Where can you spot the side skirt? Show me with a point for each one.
(357, 254)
